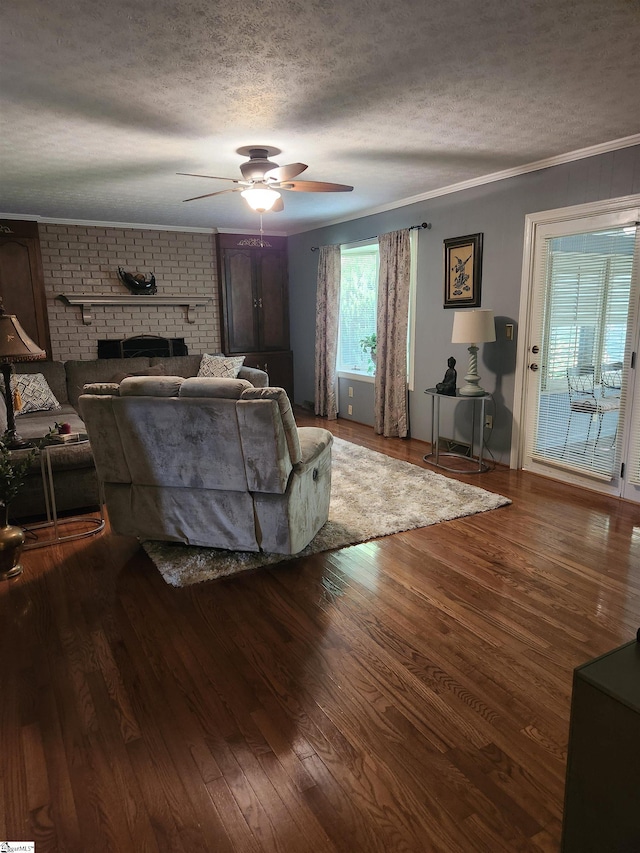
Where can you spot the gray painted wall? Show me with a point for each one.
(498, 210)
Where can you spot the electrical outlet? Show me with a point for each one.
(350, 410)
(350, 391)
(488, 421)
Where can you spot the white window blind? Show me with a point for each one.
(584, 332)
(358, 300)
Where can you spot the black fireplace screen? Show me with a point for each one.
(149, 345)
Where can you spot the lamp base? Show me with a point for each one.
(472, 388)
(471, 391)
(13, 441)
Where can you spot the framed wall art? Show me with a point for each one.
(463, 271)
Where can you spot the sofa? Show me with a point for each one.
(208, 461)
(73, 467)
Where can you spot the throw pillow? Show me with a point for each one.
(148, 371)
(35, 394)
(221, 367)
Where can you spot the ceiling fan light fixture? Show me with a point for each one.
(260, 199)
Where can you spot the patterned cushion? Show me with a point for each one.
(35, 393)
(220, 366)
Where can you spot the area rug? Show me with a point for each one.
(372, 495)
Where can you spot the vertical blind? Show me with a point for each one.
(584, 332)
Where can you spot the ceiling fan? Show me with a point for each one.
(262, 178)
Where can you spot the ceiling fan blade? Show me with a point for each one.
(285, 173)
(210, 195)
(315, 187)
(212, 177)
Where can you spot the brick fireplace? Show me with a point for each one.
(80, 259)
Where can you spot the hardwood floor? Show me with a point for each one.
(407, 694)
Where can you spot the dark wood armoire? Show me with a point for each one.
(255, 303)
(22, 279)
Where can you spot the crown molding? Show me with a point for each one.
(90, 223)
(250, 232)
(538, 165)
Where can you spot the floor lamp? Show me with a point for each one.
(15, 345)
(473, 327)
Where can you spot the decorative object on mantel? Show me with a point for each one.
(15, 345)
(448, 384)
(137, 284)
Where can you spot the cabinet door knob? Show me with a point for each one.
(260, 302)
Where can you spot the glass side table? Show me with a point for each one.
(54, 524)
(436, 454)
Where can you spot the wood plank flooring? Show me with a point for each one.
(406, 695)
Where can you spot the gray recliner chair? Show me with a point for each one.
(210, 462)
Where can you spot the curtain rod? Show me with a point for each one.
(413, 228)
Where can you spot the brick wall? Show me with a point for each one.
(84, 259)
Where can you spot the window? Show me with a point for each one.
(358, 300)
(358, 304)
(589, 280)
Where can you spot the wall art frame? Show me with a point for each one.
(463, 271)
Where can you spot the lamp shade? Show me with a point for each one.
(260, 199)
(473, 327)
(15, 343)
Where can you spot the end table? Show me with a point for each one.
(434, 457)
(94, 525)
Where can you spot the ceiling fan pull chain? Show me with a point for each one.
(261, 232)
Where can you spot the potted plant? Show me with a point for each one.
(13, 470)
(368, 346)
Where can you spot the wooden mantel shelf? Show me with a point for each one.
(87, 301)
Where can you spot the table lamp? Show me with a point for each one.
(15, 345)
(473, 327)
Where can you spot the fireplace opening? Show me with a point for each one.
(147, 345)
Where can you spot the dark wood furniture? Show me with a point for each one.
(603, 764)
(255, 303)
(22, 278)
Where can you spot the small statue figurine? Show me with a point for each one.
(137, 284)
(448, 384)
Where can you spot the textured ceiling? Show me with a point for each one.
(102, 104)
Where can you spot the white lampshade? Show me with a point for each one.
(260, 199)
(473, 327)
